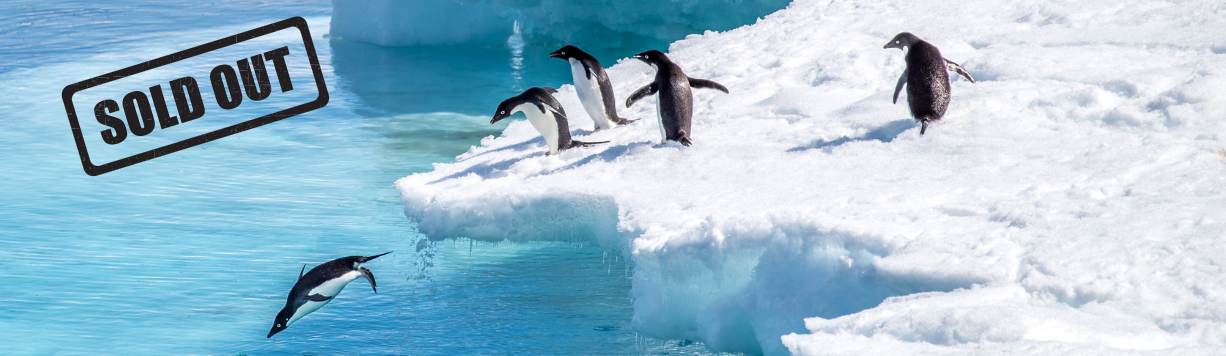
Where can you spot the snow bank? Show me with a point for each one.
(1073, 201)
(588, 24)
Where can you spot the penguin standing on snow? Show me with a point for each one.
(592, 85)
(319, 285)
(675, 106)
(926, 78)
(545, 114)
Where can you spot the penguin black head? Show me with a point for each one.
(532, 95)
(281, 322)
(905, 39)
(568, 52)
(652, 57)
(506, 109)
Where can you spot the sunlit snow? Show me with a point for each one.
(1073, 201)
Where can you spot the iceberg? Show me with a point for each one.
(588, 24)
(1073, 201)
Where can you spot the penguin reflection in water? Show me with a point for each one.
(545, 114)
(319, 285)
(675, 106)
(926, 78)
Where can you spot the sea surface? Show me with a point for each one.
(194, 252)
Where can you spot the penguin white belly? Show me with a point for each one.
(660, 120)
(330, 289)
(589, 94)
(307, 308)
(544, 123)
(660, 112)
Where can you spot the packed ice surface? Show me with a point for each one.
(1073, 201)
(589, 24)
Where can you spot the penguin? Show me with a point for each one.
(592, 85)
(319, 285)
(926, 78)
(545, 114)
(675, 106)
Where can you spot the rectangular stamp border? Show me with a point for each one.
(95, 170)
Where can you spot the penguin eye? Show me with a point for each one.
(563, 52)
(502, 112)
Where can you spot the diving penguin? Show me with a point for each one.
(926, 78)
(592, 85)
(319, 285)
(545, 114)
(675, 106)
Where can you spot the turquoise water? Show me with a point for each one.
(193, 253)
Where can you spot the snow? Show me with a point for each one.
(1073, 201)
(588, 24)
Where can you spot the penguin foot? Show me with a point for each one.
(574, 143)
(625, 121)
(370, 276)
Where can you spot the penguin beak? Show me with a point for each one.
(274, 331)
(556, 54)
(497, 118)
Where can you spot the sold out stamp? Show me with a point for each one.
(194, 96)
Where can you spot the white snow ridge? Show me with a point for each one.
(1071, 202)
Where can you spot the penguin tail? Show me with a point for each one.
(574, 143)
(624, 121)
(364, 259)
(925, 120)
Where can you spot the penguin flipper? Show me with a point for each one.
(954, 67)
(902, 80)
(642, 92)
(318, 297)
(707, 84)
(370, 276)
